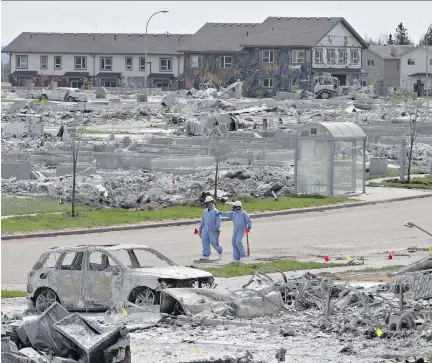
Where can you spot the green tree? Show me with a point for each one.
(429, 37)
(401, 36)
(390, 40)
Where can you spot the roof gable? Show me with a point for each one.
(219, 37)
(339, 36)
(95, 43)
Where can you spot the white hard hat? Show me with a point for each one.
(237, 203)
(208, 199)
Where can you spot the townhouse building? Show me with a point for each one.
(280, 54)
(108, 60)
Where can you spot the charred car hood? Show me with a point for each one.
(172, 272)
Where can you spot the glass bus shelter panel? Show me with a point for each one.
(313, 167)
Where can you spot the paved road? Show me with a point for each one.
(360, 231)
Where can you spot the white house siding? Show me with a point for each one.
(339, 38)
(419, 57)
(94, 66)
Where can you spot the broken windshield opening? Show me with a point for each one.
(141, 258)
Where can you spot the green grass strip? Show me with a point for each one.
(8, 294)
(236, 269)
(116, 216)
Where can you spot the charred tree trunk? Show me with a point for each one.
(73, 182)
(412, 140)
(216, 179)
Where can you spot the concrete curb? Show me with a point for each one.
(196, 221)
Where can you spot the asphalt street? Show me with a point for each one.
(360, 231)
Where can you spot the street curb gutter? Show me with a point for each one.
(196, 221)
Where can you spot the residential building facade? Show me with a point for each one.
(339, 52)
(413, 70)
(280, 54)
(382, 63)
(108, 60)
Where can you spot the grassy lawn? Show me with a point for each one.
(7, 100)
(14, 205)
(7, 294)
(416, 183)
(393, 173)
(233, 270)
(111, 217)
(96, 132)
(381, 269)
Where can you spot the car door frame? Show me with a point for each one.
(70, 292)
(107, 280)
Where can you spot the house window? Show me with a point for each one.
(77, 83)
(354, 56)
(109, 83)
(21, 62)
(165, 65)
(411, 62)
(267, 82)
(196, 61)
(318, 56)
(43, 62)
(371, 63)
(295, 84)
(128, 63)
(106, 64)
(226, 61)
(80, 63)
(298, 56)
(342, 56)
(331, 56)
(268, 56)
(57, 62)
(142, 64)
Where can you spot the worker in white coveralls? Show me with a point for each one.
(240, 220)
(209, 229)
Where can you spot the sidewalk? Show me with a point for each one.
(372, 196)
(380, 180)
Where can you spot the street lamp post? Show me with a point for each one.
(427, 61)
(145, 51)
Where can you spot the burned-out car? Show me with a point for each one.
(94, 277)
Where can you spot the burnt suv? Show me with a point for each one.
(94, 277)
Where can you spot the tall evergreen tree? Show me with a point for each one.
(422, 41)
(390, 40)
(401, 36)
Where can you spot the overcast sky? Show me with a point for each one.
(373, 18)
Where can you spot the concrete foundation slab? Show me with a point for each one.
(67, 169)
(18, 129)
(18, 169)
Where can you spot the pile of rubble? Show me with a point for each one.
(385, 323)
(422, 153)
(58, 336)
(150, 190)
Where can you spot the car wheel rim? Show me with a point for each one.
(44, 300)
(145, 297)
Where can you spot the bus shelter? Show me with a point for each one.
(330, 159)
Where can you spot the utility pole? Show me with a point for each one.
(145, 53)
(427, 62)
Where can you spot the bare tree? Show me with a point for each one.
(219, 149)
(77, 129)
(417, 117)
